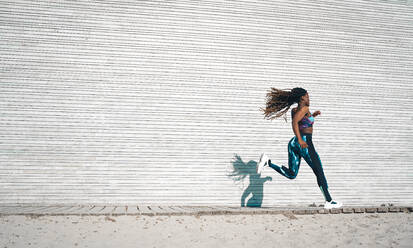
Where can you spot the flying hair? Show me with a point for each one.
(279, 101)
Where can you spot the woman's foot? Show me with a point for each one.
(263, 161)
(332, 204)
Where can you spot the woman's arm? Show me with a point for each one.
(316, 113)
(297, 117)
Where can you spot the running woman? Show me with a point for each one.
(301, 145)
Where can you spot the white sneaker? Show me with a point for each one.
(332, 204)
(262, 163)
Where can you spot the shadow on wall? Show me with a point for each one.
(240, 170)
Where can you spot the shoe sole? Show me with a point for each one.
(334, 207)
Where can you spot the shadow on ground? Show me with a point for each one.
(240, 170)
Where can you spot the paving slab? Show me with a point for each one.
(240, 210)
(145, 210)
(195, 210)
(371, 210)
(311, 211)
(108, 210)
(278, 210)
(160, 210)
(47, 211)
(119, 210)
(132, 210)
(199, 210)
(299, 211)
(95, 210)
(185, 210)
(59, 210)
(177, 208)
(79, 210)
(253, 210)
(173, 210)
(207, 210)
(323, 211)
(189, 210)
(348, 210)
(101, 210)
(394, 209)
(336, 210)
(359, 210)
(225, 210)
(382, 209)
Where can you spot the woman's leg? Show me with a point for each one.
(294, 159)
(310, 155)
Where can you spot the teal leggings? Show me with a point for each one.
(295, 153)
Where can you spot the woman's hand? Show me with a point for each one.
(316, 113)
(302, 143)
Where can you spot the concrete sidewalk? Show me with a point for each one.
(187, 210)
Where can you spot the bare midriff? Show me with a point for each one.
(307, 130)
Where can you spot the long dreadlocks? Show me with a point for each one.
(278, 102)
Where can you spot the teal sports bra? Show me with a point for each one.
(305, 121)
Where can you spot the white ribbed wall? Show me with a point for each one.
(147, 102)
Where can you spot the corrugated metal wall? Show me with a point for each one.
(153, 102)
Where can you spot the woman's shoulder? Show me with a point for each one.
(305, 109)
(296, 108)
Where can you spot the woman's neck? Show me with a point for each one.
(302, 105)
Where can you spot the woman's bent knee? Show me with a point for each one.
(292, 176)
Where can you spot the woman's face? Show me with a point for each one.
(306, 99)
